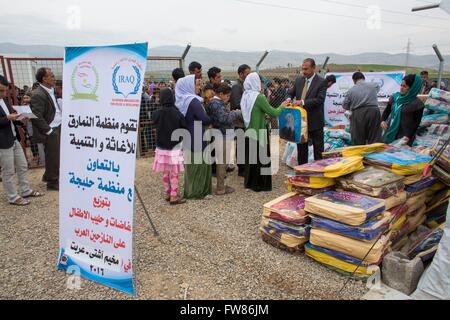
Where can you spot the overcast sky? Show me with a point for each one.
(315, 26)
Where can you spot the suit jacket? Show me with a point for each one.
(314, 101)
(43, 107)
(6, 134)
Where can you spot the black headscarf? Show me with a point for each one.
(166, 98)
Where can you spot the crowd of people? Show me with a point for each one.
(249, 105)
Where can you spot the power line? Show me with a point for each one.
(264, 4)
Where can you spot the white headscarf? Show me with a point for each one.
(252, 88)
(185, 93)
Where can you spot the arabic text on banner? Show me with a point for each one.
(102, 97)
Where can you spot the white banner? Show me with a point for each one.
(334, 113)
(102, 97)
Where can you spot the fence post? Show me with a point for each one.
(15, 100)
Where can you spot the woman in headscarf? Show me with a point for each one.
(197, 176)
(403, 114)
(254, 108)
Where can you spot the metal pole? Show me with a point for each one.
(183, 56)
(323, 71)
(155, 232)
(427, 7)
(261, 60)
(441, 64)
(11, 81)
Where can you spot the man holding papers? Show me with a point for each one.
(12, 157)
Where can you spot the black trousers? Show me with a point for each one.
(365, 126)
(52, 149)
(254, 178)
(318, 144)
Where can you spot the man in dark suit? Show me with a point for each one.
(310, 92)
(47, 126)
(12, 157)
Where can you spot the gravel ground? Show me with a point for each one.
(209, 249)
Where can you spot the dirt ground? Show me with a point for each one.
(208, 249)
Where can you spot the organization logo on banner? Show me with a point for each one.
(126, 82)
(85, 81)
(378, 81)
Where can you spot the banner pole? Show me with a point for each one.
(155, 232)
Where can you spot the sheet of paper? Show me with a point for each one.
(25, 112)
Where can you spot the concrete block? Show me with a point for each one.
(400, 273)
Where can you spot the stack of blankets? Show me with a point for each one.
(348, 217)
(437, 108)
(344, 227)
(319, 176)
(442, 167)
(384, 186)
(430, 197)
(337, 138)
(285, 224)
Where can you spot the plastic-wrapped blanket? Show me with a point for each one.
(331, 168)
(441, 174)
(416, 202)
(306, 191)
(421, 185)
(438, 105)
(438, 94)
(332, 144)
(290, 155)
(340, 262)
(374, 182)
(400, 237)
(287, 208)
(436, 216)
(426, 246)
(438, 199)
(287, 228)
(310, 182)
(365, 232)
(358, 151)
(351, 247)
(397, 216)
(394, 201)
(438, 118)
(282, 240)
(400, 161)
(346, 207)
(414, 221)
(439, 129)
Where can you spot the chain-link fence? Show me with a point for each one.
(158, 75)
